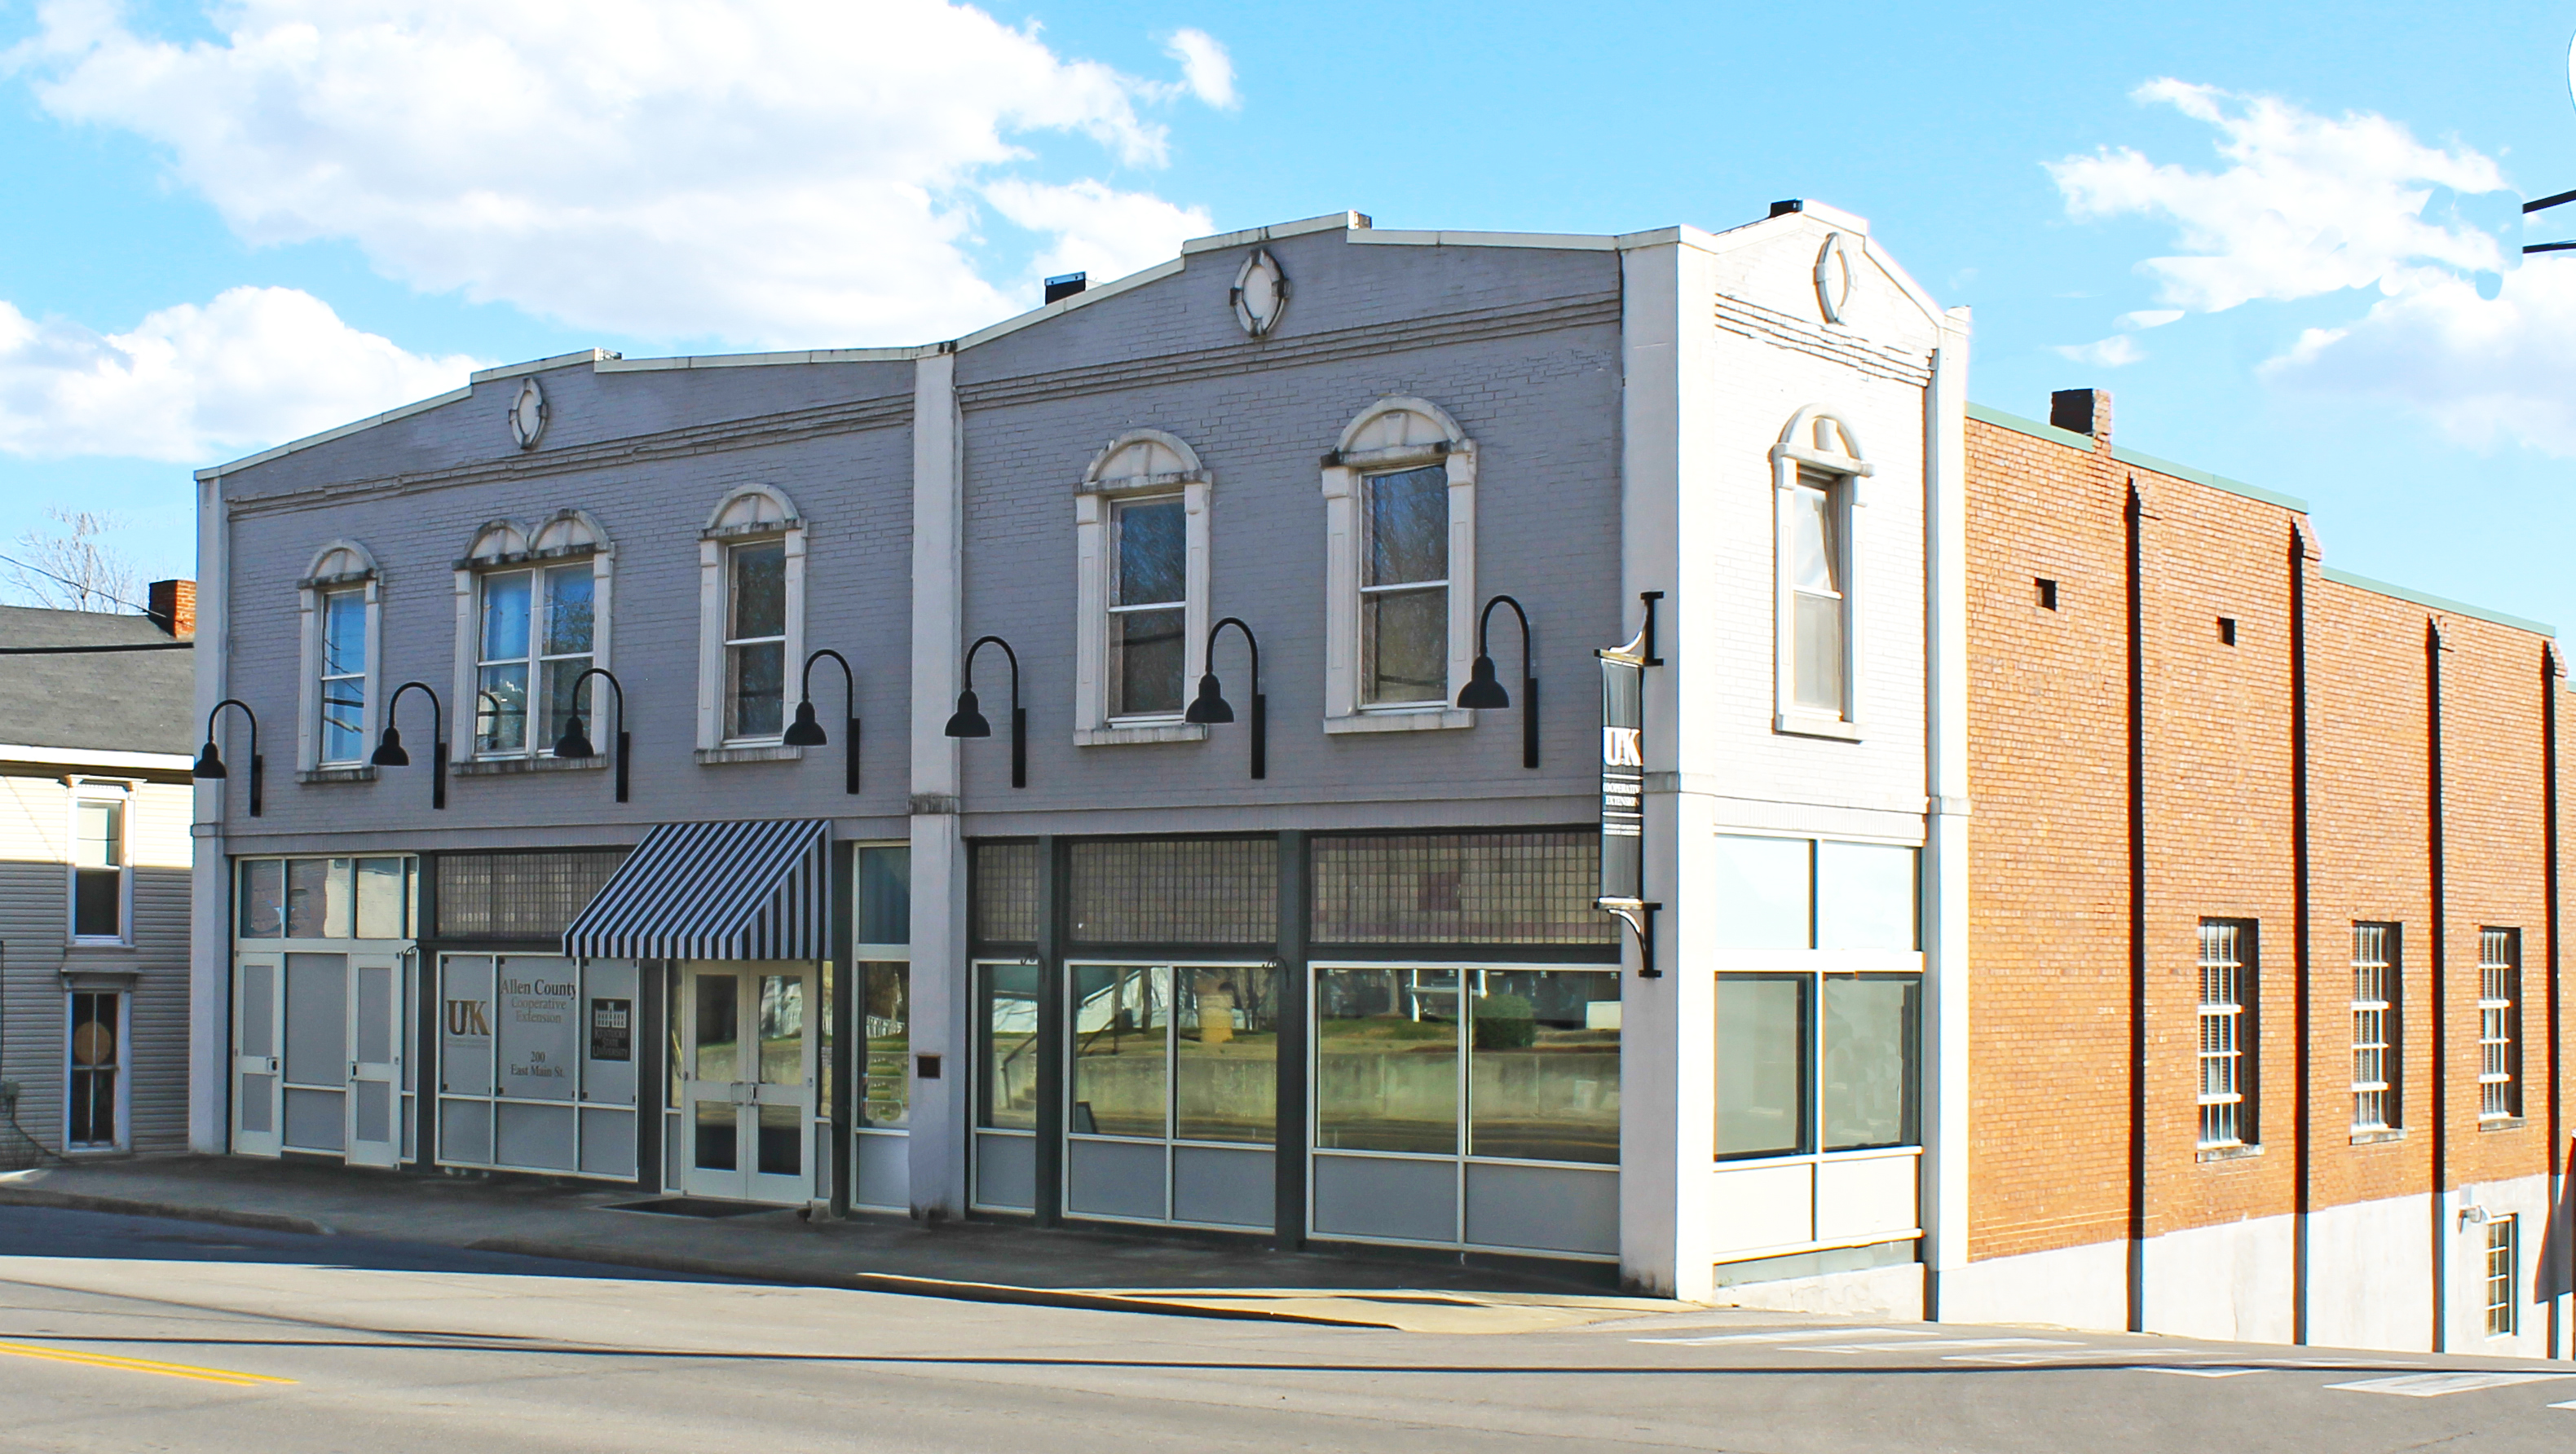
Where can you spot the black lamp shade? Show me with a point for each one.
(575, 742)
(1481, 689)
(969, 718)
(389, 752)
(804, 731)
(1210, 705)
(208, 765)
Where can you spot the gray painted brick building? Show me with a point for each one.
(1358, 993)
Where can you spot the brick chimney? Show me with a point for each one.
(2082, 411)
(172, 605)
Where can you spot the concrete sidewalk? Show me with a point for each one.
(980, 1261)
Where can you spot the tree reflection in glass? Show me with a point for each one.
(1386, 1060)
(1543, 1066)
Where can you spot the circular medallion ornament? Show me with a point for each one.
(1833, 278)
(1260, 293)
(528, 414)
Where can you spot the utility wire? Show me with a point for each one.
(77, 586)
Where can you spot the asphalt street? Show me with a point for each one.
(125, 1333)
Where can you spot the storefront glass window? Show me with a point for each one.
(305, 880)
(380, 898)
(885, 896)
(1225, 1055)
(263, 898)
(1871, 1029)
(1543, 1065)
(1386, 1060)
(1121, 1016)
(1007, 1027)
(885, 1027)
(1761, 1064)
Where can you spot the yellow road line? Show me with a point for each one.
(231, 1376)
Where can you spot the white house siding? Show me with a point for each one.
(35, 922)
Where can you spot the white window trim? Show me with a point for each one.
(460, 705)
(308, 705)
(1803, 442)
(2499, 1087)
(1094, 503)
(2381, 958)
(92, 790)
(124, 1138)
(1343, 470)
(714, 543)
(2236, 1106)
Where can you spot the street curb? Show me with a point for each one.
(892, 1282)
(881, 1282)
(73, 1201)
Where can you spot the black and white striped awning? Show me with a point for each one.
(715, 891)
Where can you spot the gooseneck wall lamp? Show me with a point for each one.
(209, 766)
(1210, 706)
(576, 743)
(389, 752)
(968, 720)
(806, 731)
(1483, 691)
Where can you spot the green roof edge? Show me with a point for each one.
(2438, 603)
(2031, 427)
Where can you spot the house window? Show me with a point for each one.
(2374, 1027)
(2226, 1033)
(1816, 587)
(1149, 597)
(341, 625)
(2504, 1275)
(1400, 527)
(98, 870)
(1404, 591)
(755, 640)
(2499, 1023)
(751, 560)
(1140, 520)
(96, 1071)
(344, 677)
(538, 620)
(1817, 472)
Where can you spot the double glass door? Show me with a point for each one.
(748, 1078)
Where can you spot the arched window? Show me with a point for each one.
(1400, 529)
(1817, 468)
(751, 623)
(1140, 517)
(343, 629)
(532, 616)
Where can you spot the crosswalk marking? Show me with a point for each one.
(1789, 1335)
(2199, 1370)
(2435, 1385)
(1930, 1343)
(2073, 1355)
(2569, 1405)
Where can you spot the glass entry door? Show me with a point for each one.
(747, 1087)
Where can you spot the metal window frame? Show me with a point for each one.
(2499, 1047)
(2375, 953)
(2226, 1118)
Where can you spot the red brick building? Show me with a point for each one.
(2268, 1020)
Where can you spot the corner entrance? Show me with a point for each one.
(747, 1057)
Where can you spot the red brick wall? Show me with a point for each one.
(2050, 892)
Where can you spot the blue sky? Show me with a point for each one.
(235, 226)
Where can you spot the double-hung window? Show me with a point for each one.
(1404, 588)
(343, 679)
(755, 643)
(2374, 1027)
(1148, 607)
(532, 620)
(2499, 1024)
(2227, 1033)
(98, 870)
(1817, 472)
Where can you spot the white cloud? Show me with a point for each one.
(1106, 233)
(1205, 67)
(771, 172)
(2308, 205)
(2482, 371)
(2108, 353)
(251, 368)
(2147, 318)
